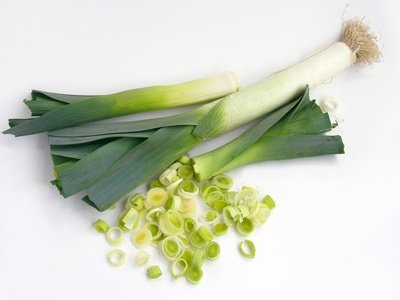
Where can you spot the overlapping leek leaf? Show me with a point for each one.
(56, 140)
(77, 151)
(191, 117)
(287, 147)
(78, 176)
(140, 164)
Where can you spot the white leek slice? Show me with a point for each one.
(156, 197)
(141, 258)
(116, 257)
(114, 236)
(141, 238)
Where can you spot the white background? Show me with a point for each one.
(335, 233)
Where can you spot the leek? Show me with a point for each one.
(95, 108)
(358, 46)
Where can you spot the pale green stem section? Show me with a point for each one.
(129, 102)
(250, 103)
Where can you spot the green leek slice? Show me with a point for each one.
(171, 247)
(220, 229)
(171, 222)
(154, 272)
(179, 268)
(196, 240)
(205, 233)
(245, 227)
(194, 274)
(247, 248)
(101, 226)
(269, 202)
(212, 251)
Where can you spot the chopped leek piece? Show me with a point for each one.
(154, 229)
(188, 189)
(209, 217)
(190, 225)
(223, 181)
(220, 229)
(269, 201)
(114, 236)
(131, 219)
(247, 197)
(188, 207)
(205, 233)
(116, 257)
(153, 215)
(219, 205)
(253, 210)
(196, 240)
(141, 238)
(186, 172)
(231, 214)
(175, 166)
(184, 239)
(245, 227)
(171, 189)
(155, 183)
(171, 222)
(167, 177)
(262, 215)
(171, 247)
(212, 251)
(194, 274)
(136, 201)
(244, 212)
(184, 159)
(187, 255)
(179, 268)
(173, 202)
(215, 196)
(156, 197)
(247, 248)
(141, 258)
(207, 188)
(230, 198)
(101, 226)
(154, 272)
(199, 257)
